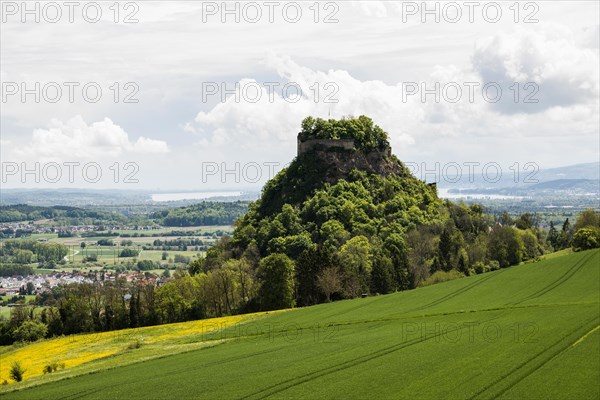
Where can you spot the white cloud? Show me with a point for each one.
(145, 145)
(372, 8)
(275, 119)
(565, 71)
(75, 139)
(463, 130)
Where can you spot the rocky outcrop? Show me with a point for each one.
(337, 158)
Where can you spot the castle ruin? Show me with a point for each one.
(303, 147)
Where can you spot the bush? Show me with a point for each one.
(146, 265)
(129, 253)
(180, 258)
(586, 238)
(53, 367)
(93, 257)
(442, 276)
(30, 331)
(494, 265)
(479, 267)
(17, 371)
(135, 344)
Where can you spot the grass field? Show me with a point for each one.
(529, 331)
(109, 254)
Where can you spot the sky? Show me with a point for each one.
(190, 95)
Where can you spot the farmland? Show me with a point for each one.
(142, 242)
(529, 331)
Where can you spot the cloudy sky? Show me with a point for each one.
(173, 95)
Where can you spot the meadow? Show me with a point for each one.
(530, 331)
(109, 255)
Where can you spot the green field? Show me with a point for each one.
(109, 255)
(529, 331)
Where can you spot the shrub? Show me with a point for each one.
(442, 276)
(135, 344)
(129, 253)
(93, 257)
(180, 258)
(30, 331)
(479, 267)
(53, 367)
(494, 265)
(586, 238)
(17, 371)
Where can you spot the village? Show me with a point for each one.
(44, 283)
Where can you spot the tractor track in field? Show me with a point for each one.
(363, 304)
(558, 282)
(531, 365)
(175, 372)
(435, 302)
(456, 292)
(298, 380)
(81, 394)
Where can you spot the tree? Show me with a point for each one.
(292, 245)
(382, 274)
(333, 234)
(463, 261)
(171, 303)
(526, 221)
(30, 331)
(180, 258)
(445, 249)
(165, 255)
(587, 218)
(309, 265)
(134, 309)
(329, 281)
(505, 246)
(17, 371)
(397, 250)
(146, 265)
(82, 245)
(586, 238)
(505, 219)
(355, 259)
(531, 247)
(553, 236)
(422, 245)
(29, 288)
(276, 275)
(23, 256)
(565, 235)
(129, 253)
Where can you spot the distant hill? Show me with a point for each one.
(590, 171)
(573, 180)
(589, 185)
(528, 179)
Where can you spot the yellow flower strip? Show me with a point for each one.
(78, 349)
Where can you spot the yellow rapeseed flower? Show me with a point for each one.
(78, 349)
